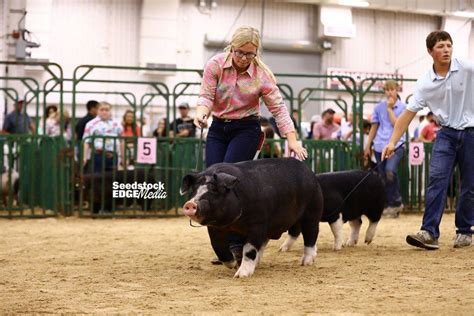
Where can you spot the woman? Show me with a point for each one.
(130, 127)
(233, 83)
(160, 131)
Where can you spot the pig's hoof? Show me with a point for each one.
(308, 256)
(337, 246)
(307, 260)
(244, 272)
(368, 240)
(286, 246)
(230, 264)
(351, 242)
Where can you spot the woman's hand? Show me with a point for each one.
(202, 114)
(295, 147)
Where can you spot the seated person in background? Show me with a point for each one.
(184, 125)
(103, 125)
(326, 129)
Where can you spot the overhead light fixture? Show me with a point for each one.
(464, 14)
(354, 3)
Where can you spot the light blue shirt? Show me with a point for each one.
(450, 98)
(385, 129)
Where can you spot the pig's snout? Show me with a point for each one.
(190, 208)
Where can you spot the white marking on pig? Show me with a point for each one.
(260, 253)
(337, 231)
(370, 233)
(288, 243)
(308, 256)
(6, 188)
(247, 267)
(202, 189)
(355, 229)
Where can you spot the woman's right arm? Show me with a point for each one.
(207, 93)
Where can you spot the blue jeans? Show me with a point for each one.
(388, 168)
(451, 147)
(233, 141)
(99, 161)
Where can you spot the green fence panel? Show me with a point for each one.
(37, 161)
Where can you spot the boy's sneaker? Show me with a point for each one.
(423, 239)
(462, 240)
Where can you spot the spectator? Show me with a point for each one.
(91, 114)
(270, 149)
(102, 125)
(53, 123)
(428, 119)
(295, 117)
(130, 129)
(416, 132)
(144, 126)
(50, 109)
(160, 131)
(52, 126)
(428, 133)
(18, 121)
(184, 125)
(345, 132)
(384, 118)
(67, 126)
(326, 129)
(130, 126)
(314, 120)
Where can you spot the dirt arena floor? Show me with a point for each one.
(161, 266)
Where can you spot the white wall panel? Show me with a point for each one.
(385, 42)
(3, 30)
(287, 21)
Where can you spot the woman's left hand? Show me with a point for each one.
(295, 147)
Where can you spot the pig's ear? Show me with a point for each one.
(187, 182)
(225, 179)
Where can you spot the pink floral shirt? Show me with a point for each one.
(98, 127)
(230, 95)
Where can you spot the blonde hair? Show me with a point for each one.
(390, 84)
(248, 34)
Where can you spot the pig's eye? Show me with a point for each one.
(212, 187)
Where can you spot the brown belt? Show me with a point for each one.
(108, 154)
(247, 118)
